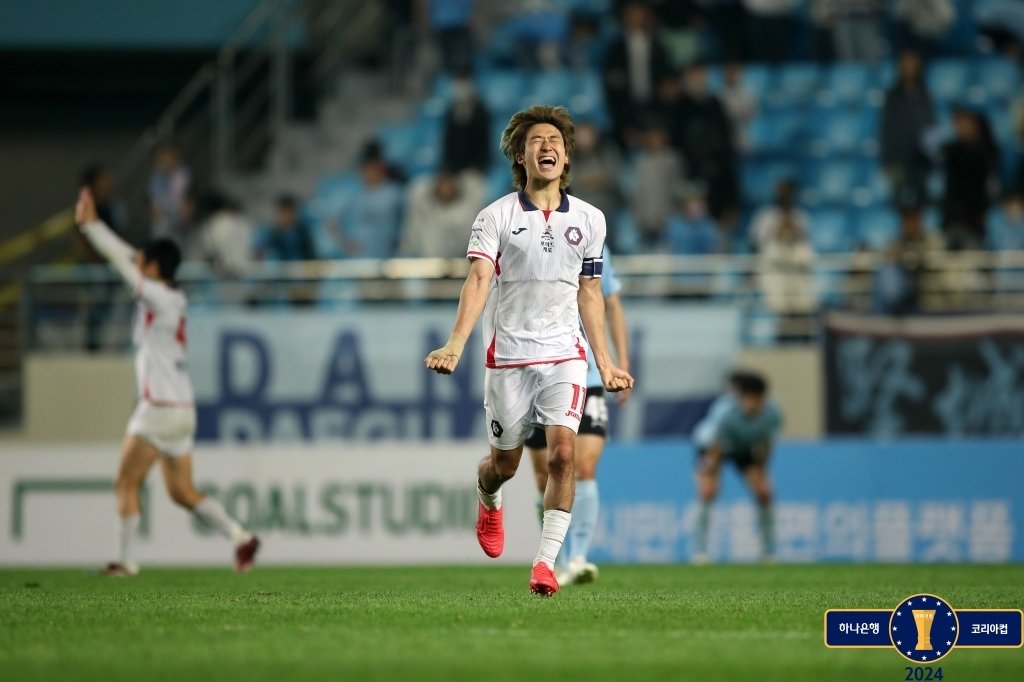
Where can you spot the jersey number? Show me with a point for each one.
(180, 334)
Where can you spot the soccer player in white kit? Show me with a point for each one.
(535, 267)
(164, 422)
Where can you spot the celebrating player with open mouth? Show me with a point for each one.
(535, 267)
(164, 422)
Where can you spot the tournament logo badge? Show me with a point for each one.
(924, 628)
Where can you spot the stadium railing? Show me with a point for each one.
(59, 300)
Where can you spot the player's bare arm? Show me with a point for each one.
(615, 315)
(471, 304)
(591, 306)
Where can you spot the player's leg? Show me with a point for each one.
(586, 507)
(708, 478)
(508, 400)
(756, 476)
(537, 447)
(558, 406)
(137, 457)
(178, 479)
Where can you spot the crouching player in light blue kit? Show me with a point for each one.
(740, 427)
(572, 566)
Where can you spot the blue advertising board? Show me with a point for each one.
(842, 501)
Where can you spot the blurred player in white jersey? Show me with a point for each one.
(572, 565)
(162, 428)
(535, 264)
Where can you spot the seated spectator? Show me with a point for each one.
(467, 129)
(224, 237)
(584, 48)
(907, 114)
(1006, 224)
(784, 269)
(370, 224)
(451, 22)
(168, 187)
(596, 165)
(897, 283)
(703, 134)
(290, 237)
(658, 172)
(440, 212)
(739, 104)
(691, 229)
(769, 220)
(635, 65)
(971, 163)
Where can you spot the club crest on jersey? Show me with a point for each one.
(574, 235)
(496, 428)
(547, 240)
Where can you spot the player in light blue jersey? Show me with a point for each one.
(740, 427)
(572, 565)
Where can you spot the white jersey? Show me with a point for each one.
(161, 372)
(531, 316)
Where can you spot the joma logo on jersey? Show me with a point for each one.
(574, 235)
(518, 230)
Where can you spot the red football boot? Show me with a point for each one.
(490, 531)
(245, 554)
(542, 580)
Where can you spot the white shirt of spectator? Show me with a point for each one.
(766, 223)
(638, 49)
(531, 316)
(161, 372)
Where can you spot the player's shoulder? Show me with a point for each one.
(502, 205)
(584, 208)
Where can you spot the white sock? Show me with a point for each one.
(128, 528)
(552, 535)
(584, 519)
(212, 511)
(489, 500)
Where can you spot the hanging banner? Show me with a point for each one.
(955, 376)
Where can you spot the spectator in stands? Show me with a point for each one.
(920, 23)
(971, 164)
(784, 214)
(467, 129)
(440, 211)
(784, 269)
(684, 31)
(739, 104)
(1002, 23)
(703, 133)
(370, 225)
(450, 22)
(596, 165)
(770, 28)
(634, 67)
(584, 49)
(225, 236)
(858, 29)
(691, 229)
(897, 283)
(658, 173)
(907, 114)
(168, 187)
(290, 237)
(1006, 224)
(100, 181)
(728, 22)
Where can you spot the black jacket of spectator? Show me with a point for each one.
(906, 115)
(467, 137)
(971, 169)
(703, 133)
(626, 111)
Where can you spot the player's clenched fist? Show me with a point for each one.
(85, 209)
(616, 380)
(446, 358)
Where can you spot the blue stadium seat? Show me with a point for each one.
(775, 132)
(848, 83)
(1000, 235)
(757, 78)
(829, 232)
(948, 79)
(760, 177)
(796, 84)
(872, 185)
(398, 140)
(843, 131)
(548, 87)
(501, 90)
(830, 181)
(1000, 78)
(877, 227)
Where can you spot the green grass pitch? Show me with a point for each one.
(704, 624)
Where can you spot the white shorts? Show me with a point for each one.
(171, 430)
(517, 398)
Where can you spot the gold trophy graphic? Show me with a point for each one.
(923, 620)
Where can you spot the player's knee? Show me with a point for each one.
(183, 496)
(505, 467)
(125, 484)
(561, 457)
